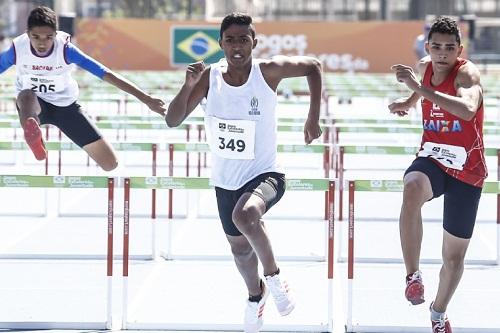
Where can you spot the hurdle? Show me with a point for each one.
(27, 181)
(197, 183)
(172, 183)
(397, 186)
(384, 150)
(385, 186)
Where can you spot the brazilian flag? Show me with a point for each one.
(192, 44)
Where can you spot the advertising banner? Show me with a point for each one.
(132, 44)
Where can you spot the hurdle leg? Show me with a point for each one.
(498, 210)
(341, 183)
(350, 257)
(126, 217)
(109, 259)
(331, 254)
(154, 150)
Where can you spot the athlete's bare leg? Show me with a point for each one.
(102, 153)
(247, 216)
(454, 249)
(417, 190)
(28, 106)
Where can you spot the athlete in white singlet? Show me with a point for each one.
(241, 123)
(47, 94)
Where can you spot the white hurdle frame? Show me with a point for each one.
(396, 186)
(27, 181)
(198, 183)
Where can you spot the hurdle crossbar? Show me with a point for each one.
(397, 186)
(342, 150)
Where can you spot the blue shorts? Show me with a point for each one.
(71, 120)
(271, 187)
(461, 200)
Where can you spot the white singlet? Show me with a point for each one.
(49, 76)
(241, 127)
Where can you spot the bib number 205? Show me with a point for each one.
(238, 145)
(43, 88)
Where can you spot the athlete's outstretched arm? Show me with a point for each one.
(193, 90)
(280, 67)
(154, 104)
(469, 90)
(7, 59)
(78, 57)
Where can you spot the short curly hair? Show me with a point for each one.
(42, 17)
(238, 19)
(445, 25)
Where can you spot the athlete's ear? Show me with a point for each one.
(460, 50)
(255, 41)
(220, 43)
(426, 46)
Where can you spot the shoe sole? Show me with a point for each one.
(287, 310)
(33, 137)
(416, 289)
(416, 301)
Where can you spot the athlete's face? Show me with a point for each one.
(444, 51)
(237, 43)
(42, 38)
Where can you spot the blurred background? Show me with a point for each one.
(363, 35)
(150, 43)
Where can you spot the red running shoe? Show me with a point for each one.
(441, 326)
(33, 137)
(415, 288)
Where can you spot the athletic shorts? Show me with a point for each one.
(269, 186)
(71, 120)
(461, 200)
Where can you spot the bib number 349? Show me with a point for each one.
(232, 144)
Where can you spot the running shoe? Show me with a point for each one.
(414, 288)
(33, 137)
(253, 312)
(442, 325)
(282, 295)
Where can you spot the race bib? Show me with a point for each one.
(232, 139)
(453, 157)
(43, 84)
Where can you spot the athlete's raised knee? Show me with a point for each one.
(415, 191)
(246, 219)
(109, 165)
(25, 97)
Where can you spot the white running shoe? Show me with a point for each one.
(253, 312)
(282, 295)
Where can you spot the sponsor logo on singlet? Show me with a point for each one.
(254, 105)
(442, 126)
(42, 68)
(436, 111)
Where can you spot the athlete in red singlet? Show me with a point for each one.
(450, 161)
